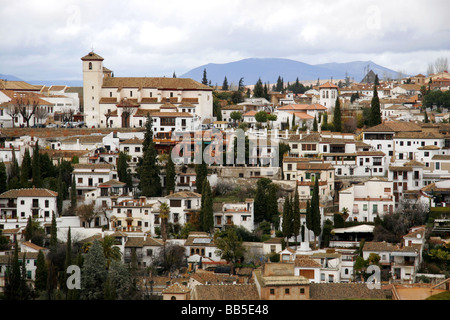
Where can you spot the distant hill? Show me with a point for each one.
(9, 77)
(269, 69)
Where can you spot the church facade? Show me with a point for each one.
(125, 102)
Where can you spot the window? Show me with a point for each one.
(438, 165)
(272, 291)
(365, 207)
(90, 65)
(302, 290)
(286, 291)
(375, 208)
(47, 203)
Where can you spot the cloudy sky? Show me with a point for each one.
(45, 39)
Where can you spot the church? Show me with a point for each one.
(125, 102)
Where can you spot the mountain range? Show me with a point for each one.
(266, 69)
(269, 69)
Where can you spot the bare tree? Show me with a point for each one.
(441, 64)
(87, 212)
(41, 114)
(430, 69)
(13, 112)
(108, 115)
(27, 106)
(68, 115)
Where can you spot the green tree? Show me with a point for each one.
(337, 116)
(53, 235)
(205, 78)
(272, 203)
(375, 111)
(60, 191)
(296, 215)
(171, 175)
(3, 178)
(315, 210)
(13, 278)
(324, 124)
(287, 218)
(261, 117)
(73, 196)
(201, 171)
(229, 246)
(225, 84)
(260, 202)
(207, 212)
(110, 250)
(36, 167)
(119, 283)
(258, 90)
(93, 273)
(164, 211)
(236, 116)
(40, 282)
(315, 125)
(25, 170)
(148, 168)
(123, 172)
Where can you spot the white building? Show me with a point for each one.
(328, 93)
(104, 94)
(19, 204)
(366, 201)
(237, 214)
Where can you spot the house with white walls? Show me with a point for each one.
(17, 205)
(366, 201)
(239, 214)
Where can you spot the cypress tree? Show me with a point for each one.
(325, 122)
(170, 174)
(296, 215)
(123, 171)
(207, 213)
(36, 167)
(272, 203)
(287, 218)
(225, 84)
(204, 79)
(41, 272)
(73, 195)
(315, 209)
(315, 126)
(148, 169)
(25, 170)
(201, 171)
(12, 281)
(258, 90)
(3, 178)
(53, 235)
(375, 112)
(93, 273)
(60, 190)
(337, 116)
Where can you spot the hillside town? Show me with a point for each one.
(173, 189)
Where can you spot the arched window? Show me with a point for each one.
(173, 298)
(90, 65)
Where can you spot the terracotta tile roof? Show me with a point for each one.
(328, 85)
(28, 192)
(32, 246)
(343, 291)
(441, 157)
(386, 247)
(91, 56)
(227, 292)
(92, 166)
(314, 166)
(134, 140)
(209, 277)
(160, 83)
(108, 100)
(184, 194)
(395, 126)
(306, 261)
(171, 114)
(141, 242)
(84, 139)
(111, 183)
(176, 288)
